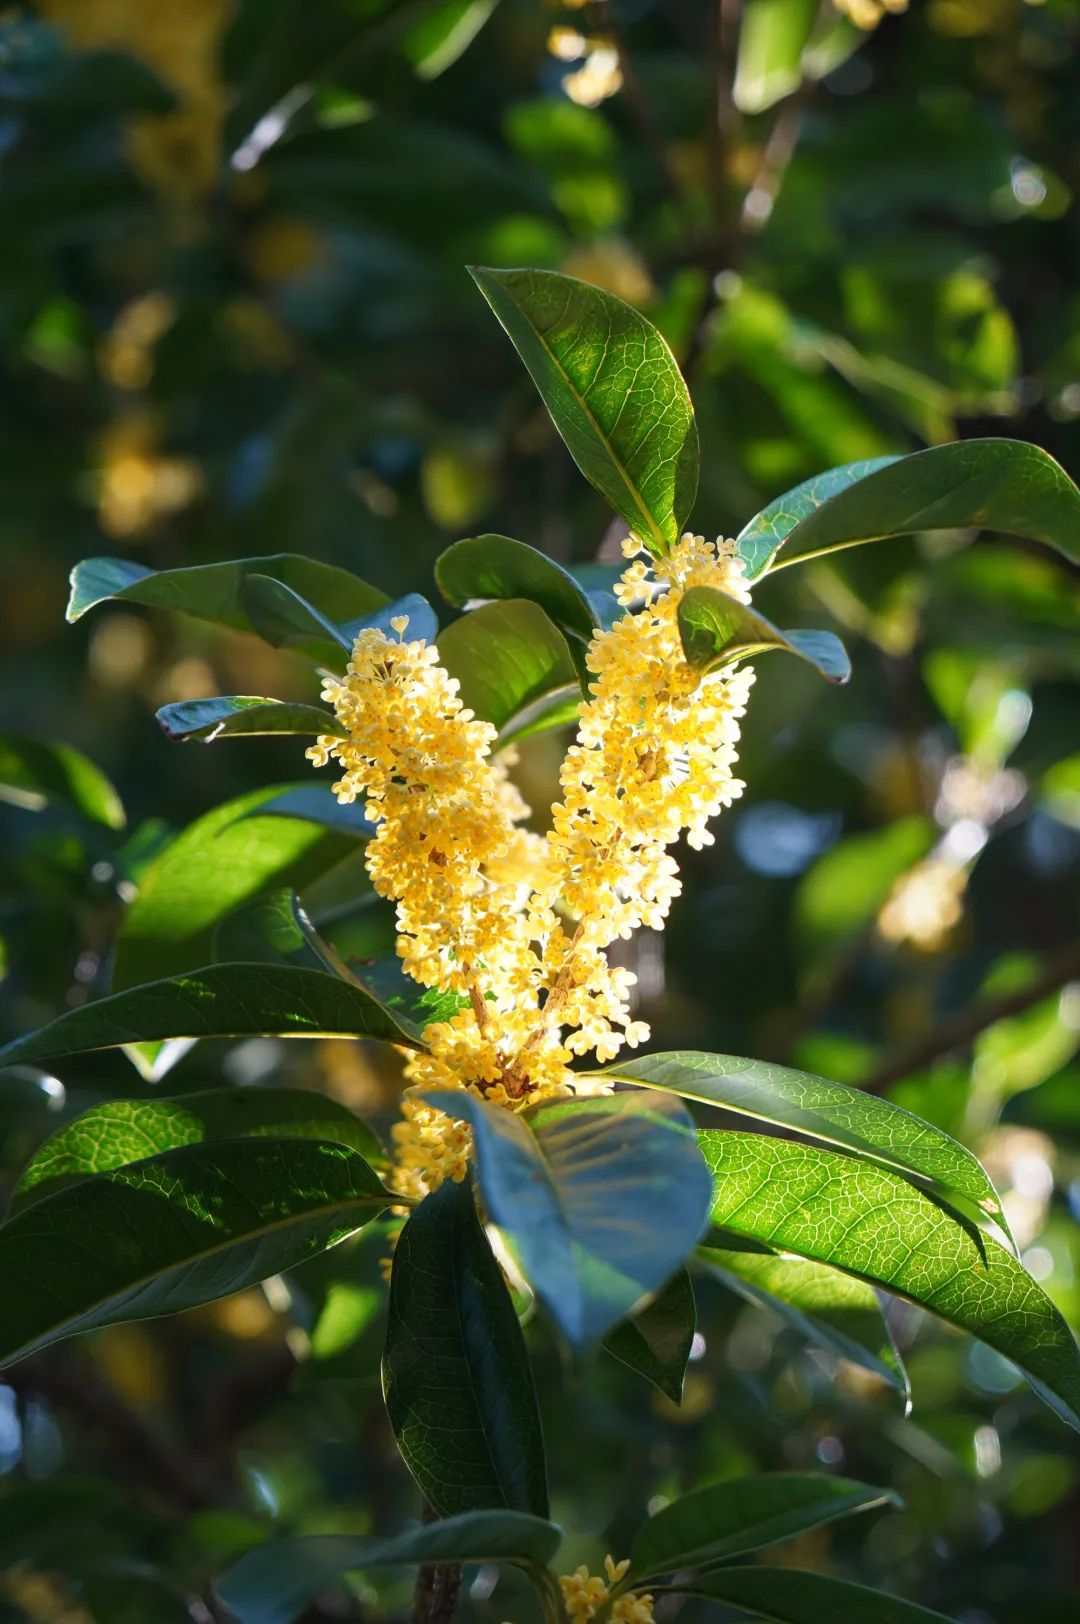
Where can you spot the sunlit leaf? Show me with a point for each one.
(509, 658)
(244, 714)
(829, 1112)
(614, 392)
(497, 567)
(771, 44)
(122, 1131)
(873, 1224)
(175, 1231)
(716, 630)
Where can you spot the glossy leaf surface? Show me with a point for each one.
(175, 1231)
(716, 629)
(232, 715)
(508, 658)
(600, 1199)
(787, 1596)
(873, 1224)
(497, 567)
(456, 1377)
(614, 392)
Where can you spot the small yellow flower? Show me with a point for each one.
(584, 1595)
(868, 13)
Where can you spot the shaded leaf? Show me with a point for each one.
(1001, 485)
(741, 1514)
(600, 1199)
(614, 392)
(234, 714)
(834, 1310)
(787, 1596)
(829, 1112)
(508, 658)
(316, 803)
(215, 591)
(656, 1342)
(271, 930)
(483, 568)
(456, 1377)
(873, 1224)
(716, 630)
(285, 619)
(274, 1583)
(35, 774)
(759, 540)
(218, 1001)
(175, 1231)
(122, 1131)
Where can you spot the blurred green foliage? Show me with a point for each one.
(235, 320)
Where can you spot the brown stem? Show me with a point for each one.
(961, 1030)
(438, 1586)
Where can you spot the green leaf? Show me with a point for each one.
(614, 392)
(486, 568)
(215, 591)
(316, 803)
(829, 1112)
(285, 619)
(826, 1307)
(769, 529)
(788, 1596)
(739, 1515)
(271, 930)
(437, 41)
(175, 1231)
(456, 1377)
(234, 714)
(274, 1583)
(219, 862)
(716, 629)
(218, 1001)
(1006, 486)
(771, 42)
(35, 775)
(122, 1131)
(509, 658)
(873, 1224)
(656, 1342)
(418, 1006)
(600, 1199)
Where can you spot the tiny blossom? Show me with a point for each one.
(517, 924)
(584, 1594)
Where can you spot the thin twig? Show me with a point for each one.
(961, 1030)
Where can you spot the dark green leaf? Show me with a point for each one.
(831, 1309)
(234, 714)
(600, 1199)
(215, 591)
(787, 1596)
(218, 1001)
(175, 1231)
(483, 568)
(271, 930)
(285, 619)
(742, 1514)
(418, 1006)
(716, 629)
(1006, 486)
(35, 774)
(873, 1224)
(456, 1377)
(769, 529)
(508, 658)
(216, 864)
(657, 1341)
(122, 1131)
(829, 1112)
(771, 43)
(316, 803)
(614, 392)
(274, 1583)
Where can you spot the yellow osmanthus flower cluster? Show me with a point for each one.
(516, 924)
(584, 1594)
(178, 152)
(925, 905)
(868, 13)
